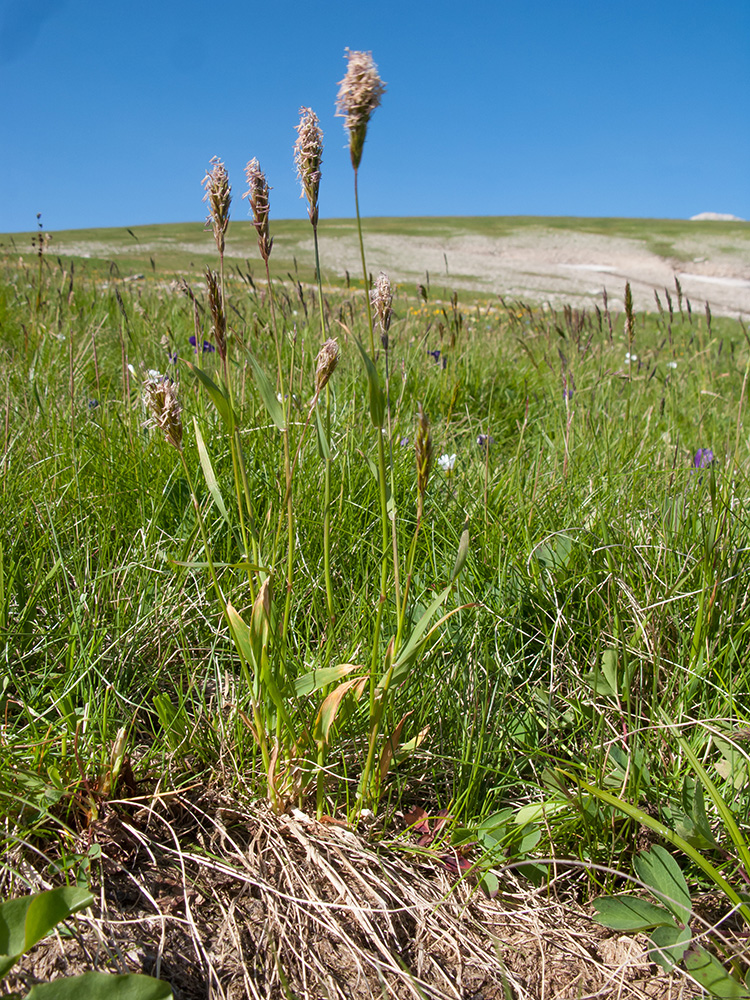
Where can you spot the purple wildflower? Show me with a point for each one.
(404, 442)
(485, 441)
(436, 355)
(703, 458)
(208, 348)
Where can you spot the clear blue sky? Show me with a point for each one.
(112, 111)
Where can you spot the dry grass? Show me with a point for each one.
(225, 902)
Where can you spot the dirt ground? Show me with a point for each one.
(563, 266)
(228, 903)
(534, 263)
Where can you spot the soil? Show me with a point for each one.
(562, 266)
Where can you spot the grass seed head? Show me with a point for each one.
(308, 156)
(218, 316)
(423, 452)
(160, 397)
(257, 195)
(219, 197)
(325, 364)
(629, 315)
(359, 94)
(382, 302)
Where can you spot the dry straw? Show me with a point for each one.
(219, 197)
(257, 195)
(308, 156)
(359, 95)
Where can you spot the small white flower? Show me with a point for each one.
(131, 369)
(446, 462)
(630, 357)
(154, 374)
(671, 364)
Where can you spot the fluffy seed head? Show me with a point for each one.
(257, 195)
(160, 397)
(308, 156)
(359, 94)
(382, 302)
(325, 364)
(219, 197)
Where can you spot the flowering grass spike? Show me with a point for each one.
(308, 156)
(359, 95)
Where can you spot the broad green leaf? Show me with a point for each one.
(372, 467)
(668, 944)
(409, 653)
(712, 975)
(629, 913)
(102, 986)
(216, 394)
(252, 639)
(733, 765)
(377, 396)
(411, 745)
(527, 842)
(604, 681)
(208, 472)
(692, 823)
(267, 392)
(314, 680)
(591, 791)
(260, 619)
(661, 873)
(241, 632)
(25, 921)
(490, 884)
(536, 811)
(463, 551)
(554, 553)
(497, 822)
(332, 703)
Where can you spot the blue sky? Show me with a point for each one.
(112, 111)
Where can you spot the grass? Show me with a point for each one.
(592, 536)
(603, 589)
(164, 251)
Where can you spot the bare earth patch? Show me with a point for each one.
(534, 263)
(229, 903)
(561, 266)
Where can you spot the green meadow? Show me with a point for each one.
(182, 248)
(537, 627)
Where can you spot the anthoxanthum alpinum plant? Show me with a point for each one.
(360, 93)
(298, 708)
